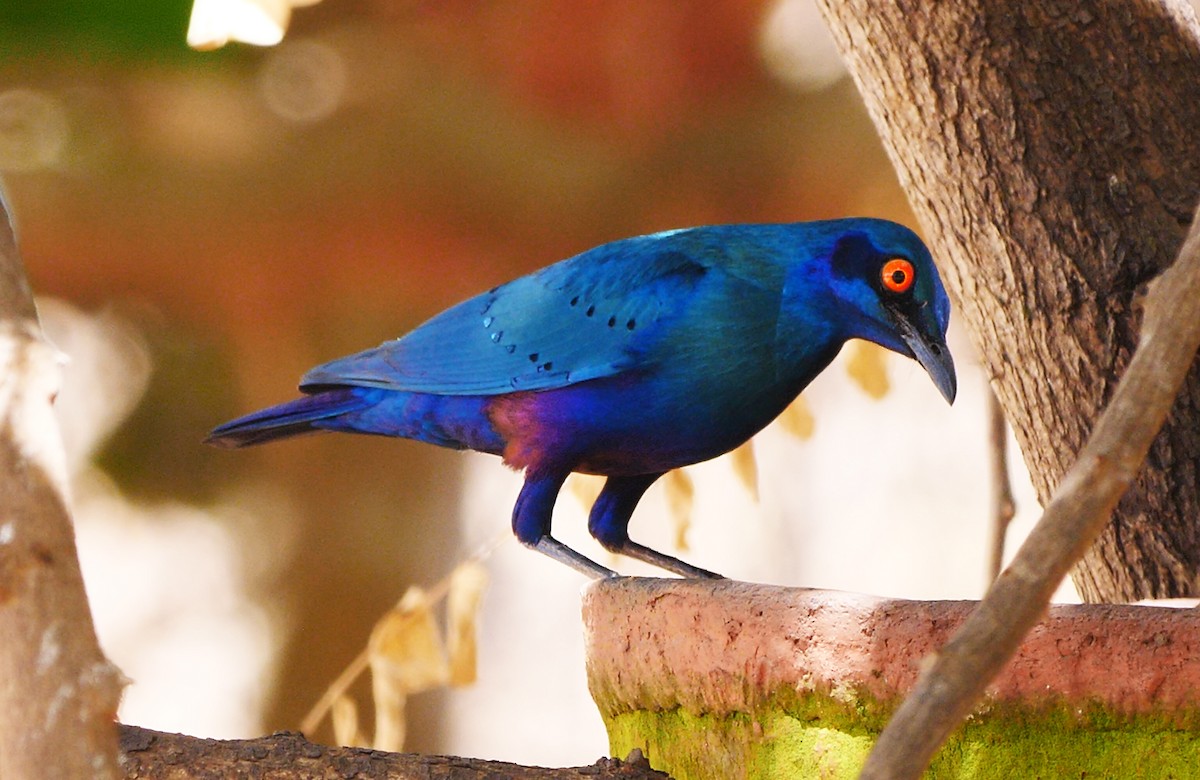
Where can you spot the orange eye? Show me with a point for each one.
(897, 275)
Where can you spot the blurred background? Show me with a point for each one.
(202, 226)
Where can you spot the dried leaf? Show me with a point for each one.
(344, 715)
(866, 367)
(798, 420)
(680, 495)
(391, 727)
(407, 645)
(406, 655)
(467, 584)
(585, 488)
(745, 466)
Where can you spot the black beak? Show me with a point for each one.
(931, 352)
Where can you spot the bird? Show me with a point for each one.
(631, 359)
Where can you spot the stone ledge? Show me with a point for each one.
(700, 671)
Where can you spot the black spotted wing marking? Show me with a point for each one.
(587, 317)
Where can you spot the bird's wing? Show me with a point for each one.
(591, 316)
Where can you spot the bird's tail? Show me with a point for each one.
(287, 419)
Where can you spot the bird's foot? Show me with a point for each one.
(670, 563)
(550, 546)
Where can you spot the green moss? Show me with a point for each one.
(823, 737)
(773, 745)
(1055, 747)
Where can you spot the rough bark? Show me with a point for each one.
(1049, 152)
(58, 693)
(1082, 503)
(149, 755)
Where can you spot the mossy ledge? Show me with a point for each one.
(733, 680)
(781, 744)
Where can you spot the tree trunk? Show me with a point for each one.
(58, 693)
(1049, 150)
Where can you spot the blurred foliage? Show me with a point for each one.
(153, 455)
(867, 367)
(107, 28)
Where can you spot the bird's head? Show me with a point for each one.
(887, 290)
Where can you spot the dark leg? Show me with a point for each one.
(609, 523)
(531, 524)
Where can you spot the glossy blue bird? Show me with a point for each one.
(632, 359)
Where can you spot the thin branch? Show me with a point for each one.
(1077, 514)
(58, 693)
(1003, 506)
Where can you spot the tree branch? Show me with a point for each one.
(1003, 507)
(58, 694)
(153, 755)
(1075, 517)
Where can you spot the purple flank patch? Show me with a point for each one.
(605, 426)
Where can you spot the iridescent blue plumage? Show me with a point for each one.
(631, 359)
